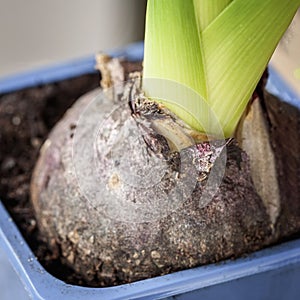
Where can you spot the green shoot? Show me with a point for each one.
(217, 48)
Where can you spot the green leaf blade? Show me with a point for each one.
(172, 47)
(237, 49)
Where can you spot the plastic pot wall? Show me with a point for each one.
(272, 273)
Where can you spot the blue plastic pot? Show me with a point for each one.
(272, 273)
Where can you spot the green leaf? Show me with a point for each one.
(173, 53)
(238, 45)
(172, 45)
